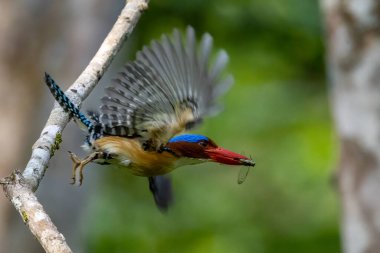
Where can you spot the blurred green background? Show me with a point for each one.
(277, 111)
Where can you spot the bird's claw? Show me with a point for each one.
(79, 164)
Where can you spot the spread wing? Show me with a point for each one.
(169, 88)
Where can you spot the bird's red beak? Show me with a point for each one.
(221, 155)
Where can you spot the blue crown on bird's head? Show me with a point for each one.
(201, 147)
(193, 138)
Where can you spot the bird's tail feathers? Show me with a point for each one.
(67, 105)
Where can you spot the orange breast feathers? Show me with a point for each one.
(129, 153)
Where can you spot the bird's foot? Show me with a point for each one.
(79, 164)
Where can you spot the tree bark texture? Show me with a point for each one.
(33, 214)
(353, 57)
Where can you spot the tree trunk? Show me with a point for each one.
(353, 43)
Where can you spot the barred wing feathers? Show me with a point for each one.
(169, 88)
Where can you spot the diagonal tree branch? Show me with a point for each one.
(50, 136)
(33, 214)
(20, 187)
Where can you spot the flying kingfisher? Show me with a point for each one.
(170, 87)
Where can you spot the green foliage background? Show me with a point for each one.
(277, 111)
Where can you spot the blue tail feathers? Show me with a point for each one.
(65, 102)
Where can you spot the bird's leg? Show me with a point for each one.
(79, 164)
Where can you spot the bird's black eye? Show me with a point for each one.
(202, 143)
